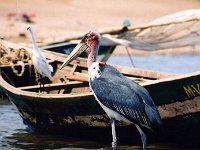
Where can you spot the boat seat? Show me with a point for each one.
(53, 86)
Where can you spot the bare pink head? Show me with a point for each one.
(90, 43)
(93, 41)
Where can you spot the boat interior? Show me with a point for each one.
(72, 79)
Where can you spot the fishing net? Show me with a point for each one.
(14, 57)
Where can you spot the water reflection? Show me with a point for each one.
(41, 141)
(24, 140)
(15, 135)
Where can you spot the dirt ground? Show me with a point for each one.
(57, 18)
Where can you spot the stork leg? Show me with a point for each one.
(41, 83)
(114, 142)
(143, 137)
(39, 79)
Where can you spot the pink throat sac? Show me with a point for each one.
(92, 52)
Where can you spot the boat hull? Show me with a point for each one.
(68, 106)
(84, 118)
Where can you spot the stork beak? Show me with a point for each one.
(81, 47)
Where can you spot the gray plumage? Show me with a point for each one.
(125, 97)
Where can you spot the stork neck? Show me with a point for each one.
(33, 41)
(92, 53)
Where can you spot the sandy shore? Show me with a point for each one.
(68, 17)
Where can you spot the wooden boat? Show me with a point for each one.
(67, 105)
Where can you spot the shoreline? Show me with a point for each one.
(66, 18)
(52, 19)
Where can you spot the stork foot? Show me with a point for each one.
(143, 137)
(114, 145)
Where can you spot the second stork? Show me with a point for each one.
(39, 61)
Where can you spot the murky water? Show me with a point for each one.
(14, 135)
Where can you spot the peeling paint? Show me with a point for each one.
(179, 108)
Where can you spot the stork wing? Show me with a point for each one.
(172, 31)
(43, 67)
(126, 98)
(45, 62)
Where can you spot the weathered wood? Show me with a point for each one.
(149, 74)
(77, 77)
(53, 86)
(179, 108)
(84, 77)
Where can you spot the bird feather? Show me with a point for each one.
(125, 97)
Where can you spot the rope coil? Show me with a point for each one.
(10, 56)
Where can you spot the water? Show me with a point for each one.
(14, 135)
(165, 63)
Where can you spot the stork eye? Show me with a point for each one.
(94, 67)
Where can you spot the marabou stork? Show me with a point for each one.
(121, 98)
(39, 61)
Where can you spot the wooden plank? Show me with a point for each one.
(50, 86)
(139, 79)
(77, 77)
(132, 77)
(73, 69)
(137, 72)
(84, 77)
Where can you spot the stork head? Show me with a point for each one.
(90, 44)
(28, 27)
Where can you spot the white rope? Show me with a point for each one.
(21, 63)
(14, 57)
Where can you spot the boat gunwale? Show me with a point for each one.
(6, 86)
(172, 78)
(17, 91)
